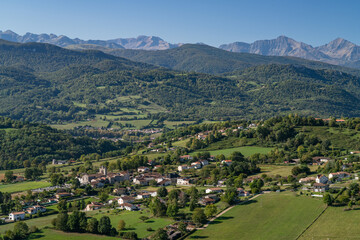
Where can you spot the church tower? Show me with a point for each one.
(103, 170)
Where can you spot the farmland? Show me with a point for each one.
(276, 216)
(246, 151)
(23, 186)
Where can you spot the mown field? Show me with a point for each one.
(59, 235)
(23, 186)
(133, 223)
(271, 216)
(281, 170)
(246, 151)
(335, 223)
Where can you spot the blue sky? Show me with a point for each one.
(187, 21)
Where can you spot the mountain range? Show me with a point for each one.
(141, 42)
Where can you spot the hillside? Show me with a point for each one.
(45, 83)
(207, 59)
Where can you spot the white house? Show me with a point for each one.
(93, 206)
(183, 181)
(204, 162)
(143, 196)
(320, 187)
(15, 216)
(128, 207)
(182, 168)
(321, 179)
(213, 190)
(226, 162)
(143, 169)
(125, 199)
(307, 180)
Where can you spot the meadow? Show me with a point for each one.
(59, 235)
(270, 216)
(246, 151)
(23, 186)
(334, 223)
(281, 170)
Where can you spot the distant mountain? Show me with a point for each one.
(339, 51)
(141, 42)
(207, 59)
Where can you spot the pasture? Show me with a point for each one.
(270, 216)
(246, 151)
(23, 186)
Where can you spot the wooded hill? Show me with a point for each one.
(45, 83)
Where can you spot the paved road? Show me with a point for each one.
(220, 214)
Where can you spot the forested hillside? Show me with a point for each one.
(24, 144)
(45, 83)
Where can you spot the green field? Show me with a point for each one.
(38, 222)
(133, 223)
(281, 170)
(335, 223)
(246, 151)
(174, 124)
(23, 186)
(59, 235)
(271, 216)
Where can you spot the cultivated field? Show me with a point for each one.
(246, 151)
(271, 216)
(23, 186)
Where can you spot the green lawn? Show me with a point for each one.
(38, 222)
(246, 151)
(59, 235)
(271, 216)
(173, 124)
(335, 223)
(133, 223)
(23, 186)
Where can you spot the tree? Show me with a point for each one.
(9, 176)
(328, 199)
(162, 192)
(230, 195)
(157, 208)
(61, 221)
(174, 194)
(104, 225)
(172, 209)
(237, 156)
(62, 206)
(192, 205)
(199, 216)
(210, 210)
(21, 230)
(160, 234)
(92, 225)
(143, 218)
(103, 196)
(182, 227)
(121, 225)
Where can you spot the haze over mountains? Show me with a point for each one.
(339, 51)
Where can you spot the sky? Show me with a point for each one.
(212, 22)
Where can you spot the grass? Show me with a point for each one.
(181, 143)
(38, 222)
(174, 124)
(335, 223)
(133, 223)
(23, 186)
(282, 170)
(59, 235)
(270, 216)
(246, 151)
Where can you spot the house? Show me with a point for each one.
(93, 206)
(143, 169)
(143, 196)
(182, 168)
(141, 181)
(126, 199)
(157, 167)
(113, 200)
(321, 179)
(226, 162)
(204, 162)
(307, 180)
(222, 183)
(196, 165)
(128, 207)
(320, 187)
(183, 181)
(19, 179)
(213, 190)
(339, 175)
(15, 216)
(165, 182)
(153, 193)
(320, 160)
(206, 201)
(62, 195)
(242, 192)
(35, 209)
(58, 162)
